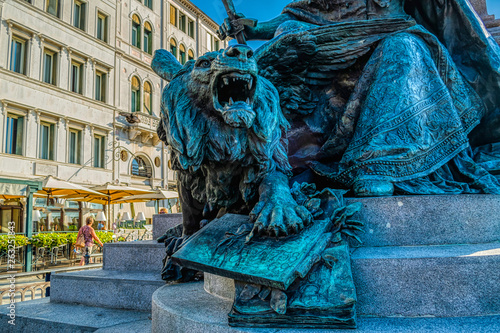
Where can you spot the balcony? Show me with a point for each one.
(140, 127)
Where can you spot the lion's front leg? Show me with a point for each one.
(277, 213)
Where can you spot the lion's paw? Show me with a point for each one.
(279, 217)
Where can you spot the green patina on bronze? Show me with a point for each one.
(375, 97)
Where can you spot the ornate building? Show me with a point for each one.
(490, 22)
(78, 99)
(73, 72)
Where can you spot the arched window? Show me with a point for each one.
(190, 55)
(136, 94)
(148, 97)
(140, 167)
(173, 47)
(136, 31)
(148, 38)
(182, 54)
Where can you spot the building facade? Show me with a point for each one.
(78, 98)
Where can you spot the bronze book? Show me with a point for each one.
(220, 248)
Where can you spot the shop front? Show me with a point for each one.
(16, 209)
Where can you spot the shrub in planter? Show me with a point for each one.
(20, 240)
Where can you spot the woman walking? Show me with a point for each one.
(89, 236)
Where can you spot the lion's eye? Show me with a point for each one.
(203, 64)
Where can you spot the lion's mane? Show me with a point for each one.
(207, 152)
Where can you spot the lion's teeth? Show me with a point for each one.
(231, 101)
(226, 81)
(248, 100)
(249, 85)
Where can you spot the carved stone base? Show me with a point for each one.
(423, 256)
(188, 308)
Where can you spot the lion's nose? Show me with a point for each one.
(242, 52)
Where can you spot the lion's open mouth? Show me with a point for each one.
(232, 88)
(233, 98)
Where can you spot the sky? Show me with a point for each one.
(264, 10)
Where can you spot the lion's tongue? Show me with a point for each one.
(239, 114)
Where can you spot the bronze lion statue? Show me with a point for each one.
(228, 137)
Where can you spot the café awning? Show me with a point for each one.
(12, 191)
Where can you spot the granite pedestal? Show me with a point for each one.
(431, 261)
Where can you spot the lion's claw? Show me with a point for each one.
(279, 219)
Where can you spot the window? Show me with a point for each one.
(190, 55)
(79, 15)
(49, 66)
(209, 41)
(191, 28)
(140, 168)
(52, 7)
(148, 3)
(11, 213)
(136, 94)
(173, 47)
(75, 139)
(182, 22)
(100, 86)
(212, 43)
(148, 38)
(47, 140)
(76, 77)
(173, 15)
(14, 138)
(136, 31)
(99, 148)
(102, 27)
(18, 55)
(148, 97)
(182, 54)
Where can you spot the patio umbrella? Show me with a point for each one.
(157, 195)
(110, 193)
(54, 187)
(7, 196)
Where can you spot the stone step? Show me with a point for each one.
(106, 288)
(188, 308)
(418, 281)
(144, 256)
(163, 222)
(429, 220)
(41, 315)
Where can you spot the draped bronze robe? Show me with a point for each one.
(423, 101)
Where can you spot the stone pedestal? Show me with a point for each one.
(163, 222)
(422, 257)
